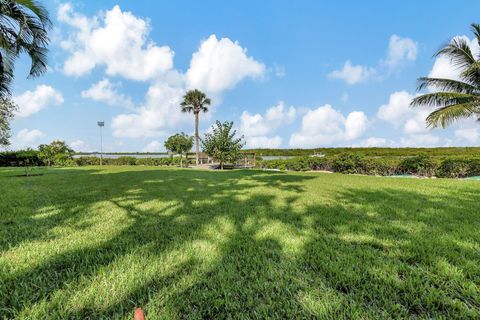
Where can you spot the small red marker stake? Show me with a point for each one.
(139, 315)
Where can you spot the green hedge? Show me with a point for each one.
(420, 165)
(129, 161)
(20, 158)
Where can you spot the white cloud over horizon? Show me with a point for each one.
(258, 129)
(31, 102)
(26, 138)
(325, 125)
(107, 92)
(400, 51)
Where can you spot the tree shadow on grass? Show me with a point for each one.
(207, 245)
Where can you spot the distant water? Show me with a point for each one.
(117, 155)
(278, 157)
(161, 155)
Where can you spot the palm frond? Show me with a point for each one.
(446, 115)
(458, 50)
(475, 27)
(39, 10)
(446, 85)
(443, 99)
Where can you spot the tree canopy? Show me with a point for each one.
(179, 143)
(7, 109)
(222, 144)
(454, 99)
(57, 152)
(195, 101)
(23, 29)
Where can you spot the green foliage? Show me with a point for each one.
(20, 158)
(422, 165)
(195, 101)
(128, 161)
(179, 143)
(221, 144)
(7, 109)
(23, 29)
(348, 163)
(123, 161)
(454, 99)
(371, 152)
(56, 153)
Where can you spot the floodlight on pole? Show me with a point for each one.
(101, 124)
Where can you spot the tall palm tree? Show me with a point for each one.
(23, 29)
(195, 101)
(455, 99)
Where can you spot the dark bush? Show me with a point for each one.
(453, 168)
(349, 163)
(87, 161)
(123, 161)
(20, 158)
(422, 165)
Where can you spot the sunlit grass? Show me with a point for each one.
(98, 242)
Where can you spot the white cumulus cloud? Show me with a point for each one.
(352, 74)
(399, 113)
(26, 138)
(105, 91)
(471, 135)
(154, 146)
(326, 126)
(400, 50)
(220, 64)
(31, 102)
(115, 39)
(159, 113)
(257, 127)
(79, 146)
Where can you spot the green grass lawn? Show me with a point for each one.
(97, 242)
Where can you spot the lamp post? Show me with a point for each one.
(101, 124)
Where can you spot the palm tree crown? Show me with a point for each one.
(23, 29)
(195, 101)
(455, 99)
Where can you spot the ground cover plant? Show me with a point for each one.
(96, 242)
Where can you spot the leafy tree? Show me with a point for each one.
(221, 144)
(7, 108)
(195, 101)
(179, 143)
(57, 152)
(23, 29)
(455, 99)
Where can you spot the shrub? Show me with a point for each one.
(453, 168)
(123, 161)
(20, 158)
(87, 161)
(422, 165)
(349, 163)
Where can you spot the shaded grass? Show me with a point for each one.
(97, 242)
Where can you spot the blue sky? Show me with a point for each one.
(304, 74)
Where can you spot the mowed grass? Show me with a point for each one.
(94, 243)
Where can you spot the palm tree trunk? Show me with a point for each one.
(196, 137)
